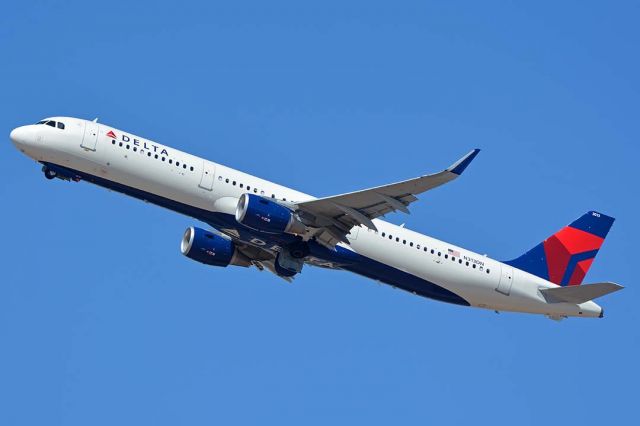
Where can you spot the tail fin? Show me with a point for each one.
(565, 257)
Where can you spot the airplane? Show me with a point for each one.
(254, 222)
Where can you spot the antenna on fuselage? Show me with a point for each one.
(95, 120)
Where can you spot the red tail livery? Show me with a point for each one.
(565, 257)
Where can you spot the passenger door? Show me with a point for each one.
(90, 138)
(506, 279)
(208, 171)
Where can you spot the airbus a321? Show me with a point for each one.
(254, 222)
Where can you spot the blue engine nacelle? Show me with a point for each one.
(266, 215)
(211, 249)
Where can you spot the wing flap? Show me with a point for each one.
(579, 294)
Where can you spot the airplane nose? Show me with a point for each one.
(20, 135)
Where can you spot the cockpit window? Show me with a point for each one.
(52, 123)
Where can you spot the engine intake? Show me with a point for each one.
(264, 214)
(211, 249)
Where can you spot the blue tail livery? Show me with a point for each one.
(565, 257)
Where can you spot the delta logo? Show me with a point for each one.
(143, 145)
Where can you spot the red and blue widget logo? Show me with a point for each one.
(565, 257)
(570, 253)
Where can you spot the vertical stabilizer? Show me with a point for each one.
(565, 257)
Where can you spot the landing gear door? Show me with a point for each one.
(90, 137)
(208, 170)
(506, 279)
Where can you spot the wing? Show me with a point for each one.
(333, 217)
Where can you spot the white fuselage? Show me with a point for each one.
(148, 166)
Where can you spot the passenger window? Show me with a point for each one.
(149, 154)
(226, 180)
(162, 158)
(234, 183)
(487, 270)
(178, 163)
(60, 125)
(219, 177)
(404, 241)
(255, 190)
(383, 234)
(248, 188)
(241, 185)
(113, 142)
(425, 249)
(191, 168)
(466, 263)
(128, 146)
(136, 150)
(411, 244)
(155, 156)
(170, 161)
(446, 256)
(397, 239)
(459, 260)
(273, 195)
(432, 251)
(439, 254)
(390, 236)
(51, 123)
(261, 192)
(473, 266)
(120, 144)
(184, 166)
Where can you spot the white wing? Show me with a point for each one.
(333, 217)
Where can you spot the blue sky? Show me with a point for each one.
(103, 322)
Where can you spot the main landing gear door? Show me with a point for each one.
(506, 279)
(90, 137)
(208, 170)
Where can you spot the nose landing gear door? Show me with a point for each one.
(506, 279)
(90, 137)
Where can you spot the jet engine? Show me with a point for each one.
(211, 249)
(265, 215)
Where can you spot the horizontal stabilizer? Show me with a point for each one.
(579, 294)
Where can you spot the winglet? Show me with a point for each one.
(459, 166)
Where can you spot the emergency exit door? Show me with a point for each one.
(208, 170)
(90, 137)
(506, 279)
